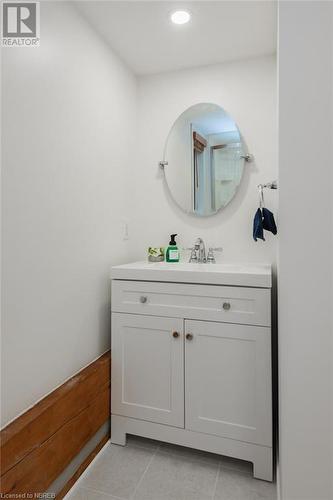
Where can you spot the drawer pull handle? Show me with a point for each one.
(226, 306)
(175, 335)
(189, 336)
(143, 299)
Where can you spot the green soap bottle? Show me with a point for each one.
(172, 253)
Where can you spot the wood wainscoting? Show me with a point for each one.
(41, 443)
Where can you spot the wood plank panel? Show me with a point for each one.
(44, 464)
(39, 423)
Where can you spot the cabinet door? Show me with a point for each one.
(228, 381)
(148, 368)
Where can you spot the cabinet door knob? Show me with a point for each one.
(226, 306)
(143, 299)
(189, 336)
(175, 335)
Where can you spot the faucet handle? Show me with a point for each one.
(194, 255)
(211, 256)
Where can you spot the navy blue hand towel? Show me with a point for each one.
(268, 221)
(258, 228)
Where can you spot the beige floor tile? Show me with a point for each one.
(233, 485)
(175, 478)
(85, 494)
(118, 470)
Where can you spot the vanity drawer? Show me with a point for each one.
(250, 306)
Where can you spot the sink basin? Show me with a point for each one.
(255, 275)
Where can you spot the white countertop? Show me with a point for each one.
(253, 275)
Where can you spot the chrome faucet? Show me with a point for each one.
(201, 250)
(198, 253)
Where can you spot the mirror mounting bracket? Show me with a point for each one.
(248, 157)
(162, 164)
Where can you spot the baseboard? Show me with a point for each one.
(38, 446)
(72, 473)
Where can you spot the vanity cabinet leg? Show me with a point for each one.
(263, 464)
(118, 434)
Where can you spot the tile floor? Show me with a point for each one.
(150, 470)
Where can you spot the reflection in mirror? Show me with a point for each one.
(205, 159)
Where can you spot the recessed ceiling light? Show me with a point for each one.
(180, 17)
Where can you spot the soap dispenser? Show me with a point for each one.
(172, 253)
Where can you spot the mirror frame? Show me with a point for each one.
(164, 163)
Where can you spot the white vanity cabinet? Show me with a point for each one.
(228, 383)
(191, 365)
(148, 368)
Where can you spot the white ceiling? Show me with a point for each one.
(143, 36)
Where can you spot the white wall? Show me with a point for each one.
(68, 119)
(246, 90)
(306, 249)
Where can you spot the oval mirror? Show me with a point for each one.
(204, 159)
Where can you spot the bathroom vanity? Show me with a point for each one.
(191, 358)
